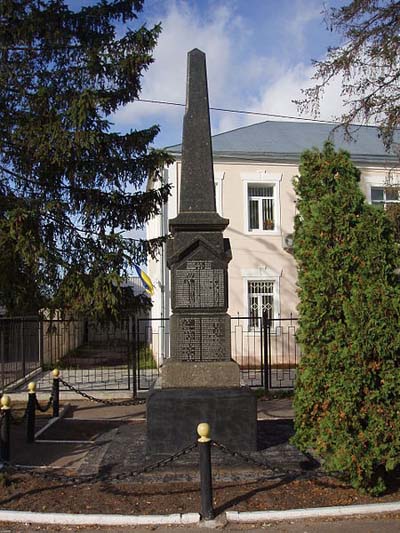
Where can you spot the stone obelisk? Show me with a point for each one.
(200, 382)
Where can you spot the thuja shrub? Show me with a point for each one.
(347, 405)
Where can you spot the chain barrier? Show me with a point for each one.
(48, 404)
(99, 477)
(279, 473)
(134, 401)
(246, 458)
(154, 466)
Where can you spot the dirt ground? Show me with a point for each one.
(23, 491)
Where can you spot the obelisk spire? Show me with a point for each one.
(199, 381)
(197, 183)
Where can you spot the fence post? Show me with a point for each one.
(31, 413)
(41, 342)
(56, 393)
(23, 348)
(5, 428)
(2, 355)
(207, 511)
(267, 350)
(135, 345)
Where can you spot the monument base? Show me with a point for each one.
(191, 375)
(174, 414)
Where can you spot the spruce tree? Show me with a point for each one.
(71, 188)
(347, 403)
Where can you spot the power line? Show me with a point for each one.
(242, 112)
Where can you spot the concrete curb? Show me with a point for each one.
(194, 518)
(96, 519)
(317, 512)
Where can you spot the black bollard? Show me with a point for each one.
(31, 413)
(206, 492)
(5, 429)
(56, 393)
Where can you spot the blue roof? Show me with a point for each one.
(273, 140)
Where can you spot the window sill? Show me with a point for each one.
(265, 232)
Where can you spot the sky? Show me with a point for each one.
(259, 56)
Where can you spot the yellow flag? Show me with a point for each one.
(147, 283)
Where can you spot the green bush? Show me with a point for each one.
(146, 357)
(347, 404)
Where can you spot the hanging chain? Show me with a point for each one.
(134, 401)
(152, 467)
(248, 459)
(278, 473)
(48, 404)
(96, 478)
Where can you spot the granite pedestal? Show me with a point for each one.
(173, 416)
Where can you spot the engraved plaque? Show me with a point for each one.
(199, 285)
(202, 339)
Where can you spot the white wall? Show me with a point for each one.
(256, 255)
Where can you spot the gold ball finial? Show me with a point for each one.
(203, 430)
(31, 387)
(5, 402)
(56, 373)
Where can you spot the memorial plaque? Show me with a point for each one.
(202, 338)
(199, 285)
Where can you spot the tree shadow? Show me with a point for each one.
(244, 497)
(22, 494)
(273, 432)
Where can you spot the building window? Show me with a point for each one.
(261, 300)
(384, 196)
(261, 207)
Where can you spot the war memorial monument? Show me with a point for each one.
(199, 382)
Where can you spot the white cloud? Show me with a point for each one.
(239, 76)
(304, 12)
(277, 97)
(183, 30)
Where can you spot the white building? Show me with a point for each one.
(254, 168)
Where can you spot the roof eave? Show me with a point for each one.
(294, 157)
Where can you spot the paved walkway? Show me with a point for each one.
(94, 438)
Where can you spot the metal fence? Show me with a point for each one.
(247, 349)
(19, 348)
(128, 355)
(92, 356)
(266, 351)
(152, 348)
(281, 352)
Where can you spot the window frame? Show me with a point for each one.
(259, 297)
(262, 178)
(385, 202)
(261, 274)
(375, 182)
